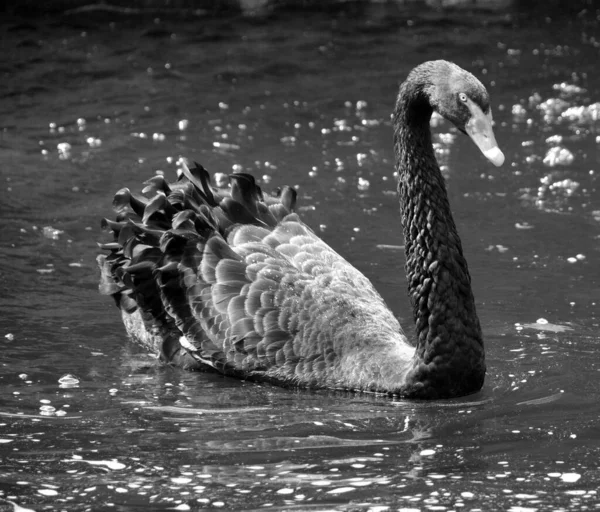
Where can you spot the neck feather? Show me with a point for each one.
(449, 357)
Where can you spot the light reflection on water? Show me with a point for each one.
(287, 102)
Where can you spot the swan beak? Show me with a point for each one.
(479, 128)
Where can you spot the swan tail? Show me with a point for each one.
(195, 272)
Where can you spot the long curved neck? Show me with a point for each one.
(439, 283)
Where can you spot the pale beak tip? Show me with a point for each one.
(495, 156)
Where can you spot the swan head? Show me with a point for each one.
(462, 99)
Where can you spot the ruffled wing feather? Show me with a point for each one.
(234, 280)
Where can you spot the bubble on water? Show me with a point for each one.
(342, 125)
(359, 482)
(427, 452)
(518, 111)
(436, 476)
(530, 159)
(183, 124)
(370, 122)
(575, 113)
(523, 225)
(558, 156)
(224, 146)
(568, 89)
(9, 336)
(285, 490)
(447, 138)
(572, 260)
(321, 483)
(582, 114)
(158, 137)
(64, 150)
(552, 108)
(341, 490)
(68, 381)
(594, 111)
(51, 233)
(181, 480)
(289, 140)
(94, 142)
(47, 492)
(183, 506)
(363, 184)
(361, 105)
(534, 100)
(440, 149)
(47, 410)
(223, 106)
(110, 464)
(570, 477)
(500, 248)
(541, 321)
(567, 185)
(554, 139)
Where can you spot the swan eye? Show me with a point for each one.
(463, 97)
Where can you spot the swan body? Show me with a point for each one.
(233, 280)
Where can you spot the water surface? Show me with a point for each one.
(96, 102)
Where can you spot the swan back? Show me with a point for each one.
(235, 280)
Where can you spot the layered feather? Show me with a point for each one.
(233, 280)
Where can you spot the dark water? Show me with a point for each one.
(301, 100)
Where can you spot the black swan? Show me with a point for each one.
(234, 280)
